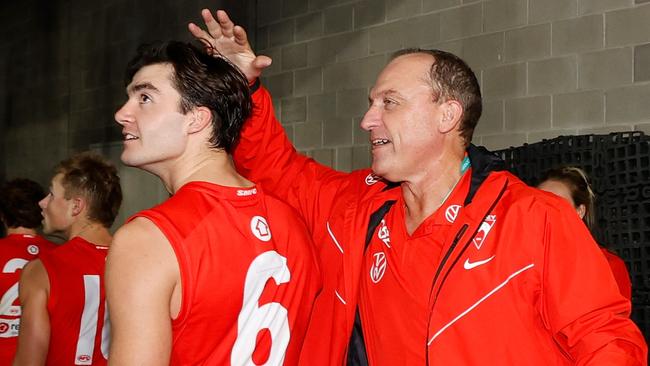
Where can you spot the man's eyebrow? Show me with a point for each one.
(142, 86)
(385, 93)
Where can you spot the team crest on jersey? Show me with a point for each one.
(383, 233)
(260, 228)
(32, 249)
(452, 212)
(484, 230)
(372, 178)
(378, 267)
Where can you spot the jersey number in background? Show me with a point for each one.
(9, 297)
(89, 323)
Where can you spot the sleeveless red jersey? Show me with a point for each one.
(248, 275)
(79, 330)
(15, 251)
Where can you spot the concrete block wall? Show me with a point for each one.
(546, 67)
(61, 78)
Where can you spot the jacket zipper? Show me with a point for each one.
(457, 238)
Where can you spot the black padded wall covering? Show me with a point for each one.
(619, 167)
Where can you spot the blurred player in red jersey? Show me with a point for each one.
(21, 217)
(62, 293)
(220, 273)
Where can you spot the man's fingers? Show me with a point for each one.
(240, 36)
(214, 28)
(262, 62)
(226, 24)
(202, 36)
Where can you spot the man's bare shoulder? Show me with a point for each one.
(141, 247)
(139, 234)
(34, 281)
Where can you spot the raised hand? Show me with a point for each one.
(231, 42)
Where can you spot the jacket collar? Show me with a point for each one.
(483, 163)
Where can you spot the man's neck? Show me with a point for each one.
(212, 167)
(21, 231)
(92, 232)
(424, 194)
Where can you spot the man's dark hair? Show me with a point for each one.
(19, 203)
(202, 80)
(95, 179)
(451, 78)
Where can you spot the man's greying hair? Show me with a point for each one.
(92, 177)
(19, 203)
(452, 79)
(202, 80)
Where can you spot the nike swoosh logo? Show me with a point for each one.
(470, 265)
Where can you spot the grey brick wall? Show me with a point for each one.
(61, 79)
(546, 67)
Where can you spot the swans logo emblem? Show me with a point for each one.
(484, 230)
(378, 267)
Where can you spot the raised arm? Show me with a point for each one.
(34, 336)
(264, 153)
(141, 279)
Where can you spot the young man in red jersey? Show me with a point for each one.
(21, 217)
(444, 258)
(220, 273)
(62, 292)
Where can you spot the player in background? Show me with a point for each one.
(21, 217)
(572, 184)
(62, 293)
(220, 273)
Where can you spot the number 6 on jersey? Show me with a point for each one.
(254, 318)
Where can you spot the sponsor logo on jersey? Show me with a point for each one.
(372, 179)
(484, 230)
(9, 328)
(86, 359)
(378, 267)
(32, 249)
(246, 192)
(452, 212)
(260, 228)
(383, 233)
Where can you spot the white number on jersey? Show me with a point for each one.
(254, 318)
(9, 297)
(88, 327)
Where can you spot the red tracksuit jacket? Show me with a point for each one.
(517, 280)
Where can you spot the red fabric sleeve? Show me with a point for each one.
(581, 301)
(265, 155)
(620, 272)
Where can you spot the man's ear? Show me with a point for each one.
(78, 205)
(581, 210)
(452, 113)
(199, 119)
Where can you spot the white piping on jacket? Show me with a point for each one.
(333, 237)
(340, 298)
(480, 301)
